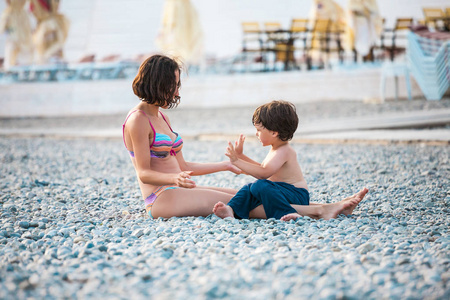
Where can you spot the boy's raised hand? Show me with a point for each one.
(239, 145)
(231, 152)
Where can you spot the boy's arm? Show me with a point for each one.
(239, 148)
(259, 171)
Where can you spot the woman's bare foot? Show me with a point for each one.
(222, 210)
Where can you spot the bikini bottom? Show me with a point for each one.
(150, 200)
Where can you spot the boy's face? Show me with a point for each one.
(265, 136)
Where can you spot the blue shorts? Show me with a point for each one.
(275, 197)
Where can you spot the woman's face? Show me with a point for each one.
(178, 84)
(177, 79)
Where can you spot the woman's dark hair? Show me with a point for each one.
(279, 116)
(156, 83)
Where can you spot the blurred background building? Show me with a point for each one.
(130, 28)
(358, 46)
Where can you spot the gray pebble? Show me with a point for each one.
(394, 245)
(24, 224)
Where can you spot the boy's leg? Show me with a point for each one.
(275, 199)
(243, 202)
(329, 210)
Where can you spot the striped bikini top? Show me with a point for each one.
(162, 145)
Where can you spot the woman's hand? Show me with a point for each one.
(183, 180)
(239, 145)
(233, 168)
(231, 153)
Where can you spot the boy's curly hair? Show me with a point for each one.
(279, 116)
(156, 83)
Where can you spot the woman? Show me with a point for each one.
(155, 150)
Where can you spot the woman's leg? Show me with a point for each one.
(220, 189)
(183, 202)
(257, 213)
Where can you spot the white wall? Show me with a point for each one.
(88, 97)
(130, 27)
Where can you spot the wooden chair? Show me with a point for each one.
(336, 31)
(299, 33)
(299, 30)
(278, 41)
(273, 36)
(432, 17)
(447, 14)
(396, 33)
(319, 34)
(272, 26)
(299, 25)
(379, 48)
(326, 37)
(251, 35)
(252, 44)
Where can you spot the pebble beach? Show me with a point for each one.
(73, 223)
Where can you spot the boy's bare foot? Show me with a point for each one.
(343, 207)
(222, 210)
(289, 217)
(331, 211)
(356, 198)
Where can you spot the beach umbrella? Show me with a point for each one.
(364, 25)
(325, 12)
(15, 23)
(181, 34)
(326, 9)
(51, 30)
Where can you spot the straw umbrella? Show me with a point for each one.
(181, 34)
(364, 25)
(51, 30)
(325, 10)
(15, 22)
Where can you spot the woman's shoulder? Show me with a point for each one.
(136, 114)
(136, 118)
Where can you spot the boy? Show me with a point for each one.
(280, 179)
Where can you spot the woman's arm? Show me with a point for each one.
(140, 132)
(205, 168)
